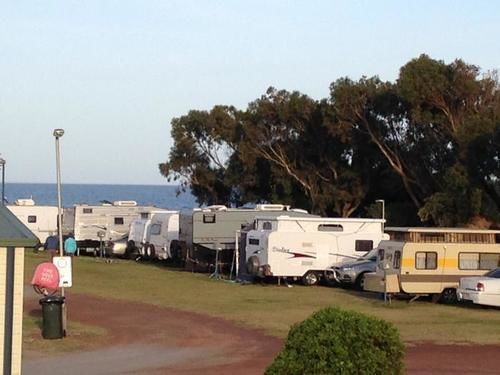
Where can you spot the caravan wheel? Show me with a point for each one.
(150, 252)
(131, 251)
(310, 278)
(174, 252)
(253, 265)
(449, 296)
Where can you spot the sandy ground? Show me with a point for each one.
(146, 339)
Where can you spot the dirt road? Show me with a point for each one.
(146, 339)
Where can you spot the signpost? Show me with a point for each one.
(63, 265)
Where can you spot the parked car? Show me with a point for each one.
(483, 290)
(352, 272)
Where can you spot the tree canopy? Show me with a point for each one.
(428, 144)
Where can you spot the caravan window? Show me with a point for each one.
(253, 241)
(468, 261)
(330, 228)
(478, 261)
(266, 225)
(209, 218)
(144, 215)
(363, 245)
(155, 229)
(425, 260)
(488, 261)
(396, 264)
(87, 210)
(118, 220)
(31, 219)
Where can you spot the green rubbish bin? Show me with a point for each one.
(52, 324)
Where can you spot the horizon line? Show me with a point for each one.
(92, 183)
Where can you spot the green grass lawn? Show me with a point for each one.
(271, 307)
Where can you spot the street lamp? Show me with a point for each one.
(58, 133)
(383, 211)
(2, 164)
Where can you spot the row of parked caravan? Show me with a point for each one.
(273, 241)
(276, 241)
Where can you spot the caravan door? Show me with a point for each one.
(323, 257)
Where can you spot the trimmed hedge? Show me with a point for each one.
(334, 341)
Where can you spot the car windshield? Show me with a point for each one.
(371, 254)
(493, 273)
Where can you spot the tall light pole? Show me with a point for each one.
(2, 164)
(58, 133)
(383, 212)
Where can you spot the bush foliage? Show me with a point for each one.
(334, 341)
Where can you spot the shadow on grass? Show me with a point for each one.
(37, 315)
(375, 296)
(474, 306)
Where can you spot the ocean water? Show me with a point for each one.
(163, 196)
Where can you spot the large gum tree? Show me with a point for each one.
(291, 131)
(204, 143)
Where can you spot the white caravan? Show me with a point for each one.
(41, 220)
(164, 230)
(152, 238)
(92, 224)
(307, 247)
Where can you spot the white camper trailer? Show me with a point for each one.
(92, 224)
(163, 231)
(430, 261)
(137, 236)
(41, 220)
(307, 248)
(205, 232)
(152, 238)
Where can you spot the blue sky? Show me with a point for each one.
(114, 73)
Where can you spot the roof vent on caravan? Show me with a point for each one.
(25, 202)
(272, 207)
(125, 203)
(216, 207)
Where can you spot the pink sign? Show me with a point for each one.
(46, 276)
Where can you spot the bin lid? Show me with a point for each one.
(52, 299)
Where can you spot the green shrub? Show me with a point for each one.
(333, 341)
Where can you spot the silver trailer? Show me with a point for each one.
(207, 236)
(92, 225)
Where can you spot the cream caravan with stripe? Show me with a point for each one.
(431, 261)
